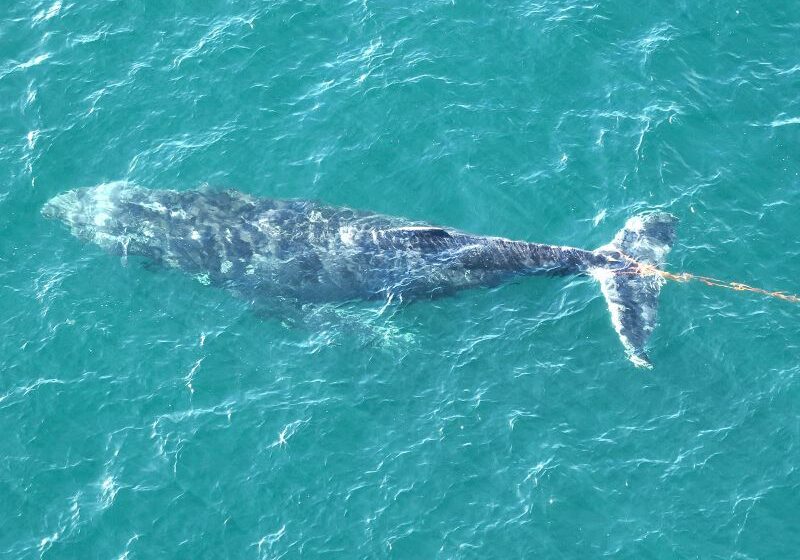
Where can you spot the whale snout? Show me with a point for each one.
(65, 205)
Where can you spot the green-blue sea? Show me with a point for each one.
(144, 415)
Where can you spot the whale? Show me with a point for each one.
(308, 252)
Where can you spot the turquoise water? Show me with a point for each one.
(143, 415)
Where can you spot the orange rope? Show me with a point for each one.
(650, 270)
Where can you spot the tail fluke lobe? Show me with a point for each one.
(646, 238)
(632, 297)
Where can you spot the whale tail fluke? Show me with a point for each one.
(632, 298)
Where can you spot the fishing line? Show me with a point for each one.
(644, 269)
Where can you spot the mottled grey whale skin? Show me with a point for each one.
(262, 248)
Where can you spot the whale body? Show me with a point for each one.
(260, 248)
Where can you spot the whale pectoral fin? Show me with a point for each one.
(289, 313)
(152, 266)
(153, 262)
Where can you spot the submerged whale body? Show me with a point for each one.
(263, 248)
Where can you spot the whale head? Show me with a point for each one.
(72, 208)
(111, 215)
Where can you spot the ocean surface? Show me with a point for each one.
(144, 415)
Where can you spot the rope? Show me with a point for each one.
(650, 270)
